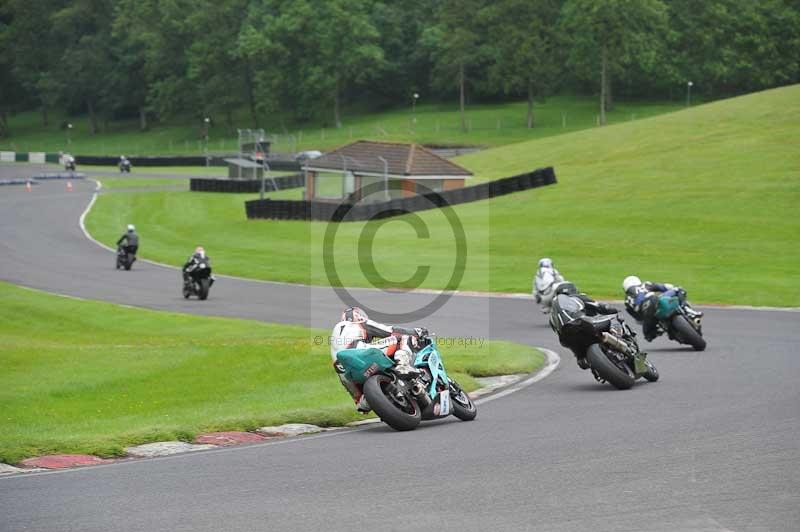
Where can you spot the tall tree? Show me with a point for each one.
(456, 46)
(84, 29)
(36, 49)
(607, 35)
(526, 51)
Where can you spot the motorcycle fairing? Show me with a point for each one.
(360, 364)
(429, 357)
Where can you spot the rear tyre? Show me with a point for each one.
(128, 263)
(688, 334)
(620, 377)
(204, 285)
(399, 413)
(463, 407)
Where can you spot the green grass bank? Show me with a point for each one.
(704, 197)
(91, 377)
(489, 125)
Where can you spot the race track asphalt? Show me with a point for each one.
(713, 446)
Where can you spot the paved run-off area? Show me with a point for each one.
(711, 446)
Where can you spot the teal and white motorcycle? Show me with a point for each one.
(404, 395)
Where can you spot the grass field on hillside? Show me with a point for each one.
(705, 198)
(489, 124)
(91, 377)
(112, 183)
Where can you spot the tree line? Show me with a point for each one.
(305, 59)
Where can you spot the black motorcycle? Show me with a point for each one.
(124, 166)
(609, 345)
(197, 280)
(125, 258)
(69, 163)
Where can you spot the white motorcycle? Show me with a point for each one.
(544, 287)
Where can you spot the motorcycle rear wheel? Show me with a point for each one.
(687, 333)
(399, 416)
(608, 370)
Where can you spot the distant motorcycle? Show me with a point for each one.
(404, 395)
(197, 280)
(679, 320)
(69, 163)
(124, 166)
(125, 259)
(610, 345)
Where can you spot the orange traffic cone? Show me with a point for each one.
(69, 186)
(28, 186)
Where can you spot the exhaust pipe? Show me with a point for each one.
(616, 343)
(418, 391)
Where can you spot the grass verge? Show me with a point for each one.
(90, 377)
(115, 183)
(488, 124)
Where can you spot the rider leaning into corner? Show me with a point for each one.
(356, 331)
(131, 239)
(591, 308)
(641, 302)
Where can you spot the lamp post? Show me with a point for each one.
(689, 93)
(206, 121)
(385, 178)
(414, 98)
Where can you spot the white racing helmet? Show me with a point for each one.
(629, 282)
(545, 263)
(131, 227)
(346, 335)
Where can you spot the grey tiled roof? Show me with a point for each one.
(403, 160)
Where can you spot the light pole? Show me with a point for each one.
(689, 93)
(206, 121)
(385, 178)
(414, 98)
(69, 133)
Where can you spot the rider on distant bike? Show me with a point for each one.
(356, 331)
(198, 257)
(641, 302)
(131, 239)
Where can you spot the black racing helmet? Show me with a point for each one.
(354, 315)
(567, 288)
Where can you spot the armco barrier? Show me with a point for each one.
(325, 211)
(204, 184)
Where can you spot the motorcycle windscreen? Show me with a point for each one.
(361, 364)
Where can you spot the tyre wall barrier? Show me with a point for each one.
(204, 184)
(279, 163)
(345, 212)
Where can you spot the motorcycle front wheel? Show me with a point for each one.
(395, 408)
(618, 375)
(463, 407)
(205, 284)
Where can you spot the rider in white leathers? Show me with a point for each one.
(543, 283)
